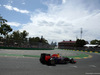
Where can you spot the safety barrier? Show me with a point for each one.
(26, 48)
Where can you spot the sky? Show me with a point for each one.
(55, 20)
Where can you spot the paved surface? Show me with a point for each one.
(38, 52)
(32, 66)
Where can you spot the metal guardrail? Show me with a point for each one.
(19, 45)
(82, 48)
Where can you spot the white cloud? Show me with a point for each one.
(13, 24)
(63, 1)
(9, 7)
(63, 22)
(10, 1)
(23, 3)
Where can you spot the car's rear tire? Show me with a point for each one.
(42, 58)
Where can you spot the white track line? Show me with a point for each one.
(92, 66)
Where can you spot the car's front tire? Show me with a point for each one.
(52, 61)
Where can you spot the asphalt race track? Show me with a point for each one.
(32, 66)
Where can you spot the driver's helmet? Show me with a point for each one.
(58, 55)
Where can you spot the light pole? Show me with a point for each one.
(81, 33)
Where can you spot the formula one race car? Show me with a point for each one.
(55, 59)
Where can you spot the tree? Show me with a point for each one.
(24, 34)
(34, 40)
(19, 36)
(2, 20)
(43, 40)
(95, 42)
(80, 43)
(5, 29)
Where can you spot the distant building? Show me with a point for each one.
(66, 44)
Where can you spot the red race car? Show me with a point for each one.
(55, 59)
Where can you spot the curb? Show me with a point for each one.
(81, 56)
(83, 51)
(87, 51)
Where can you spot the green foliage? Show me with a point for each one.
(5, 29)
(43, 40)
(37, 40)
(21, 37)
(2, 20)
(95, 42)
(80, 43)
(24, 34)
(18, 37)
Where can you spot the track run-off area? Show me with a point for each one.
(37, 53)
(26, 62)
